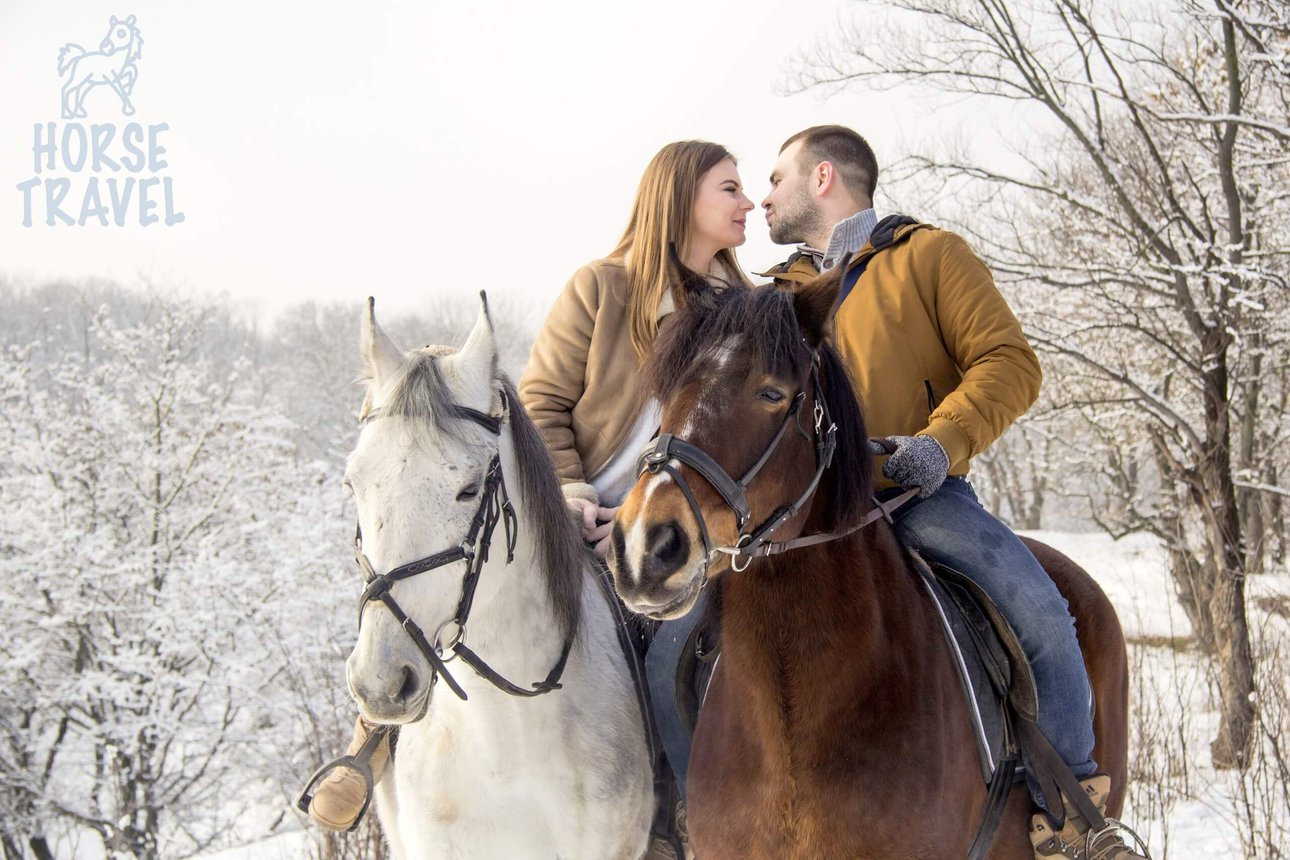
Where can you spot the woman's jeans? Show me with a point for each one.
(952, 528)
(661, 663)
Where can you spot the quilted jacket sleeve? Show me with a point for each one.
(1001, 374)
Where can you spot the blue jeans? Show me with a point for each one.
(953, 528)
(661, 664)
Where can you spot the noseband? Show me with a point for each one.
(665, 448)
(494, 507)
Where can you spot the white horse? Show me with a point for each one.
(495, 775)
(113, 65)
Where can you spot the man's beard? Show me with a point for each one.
(797, 220)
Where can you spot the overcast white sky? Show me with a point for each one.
(405, 149)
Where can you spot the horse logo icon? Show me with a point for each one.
(113, 64)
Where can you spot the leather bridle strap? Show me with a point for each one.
(881, 511)
(693, 502)
(666, 447)
(494, 507)
(551, 682)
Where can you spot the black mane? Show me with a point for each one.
(764, 319)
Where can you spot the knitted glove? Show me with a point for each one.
(917, 462)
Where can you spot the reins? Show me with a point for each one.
(494, 507)
(658, 454)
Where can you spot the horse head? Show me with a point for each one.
(122, 34)
(749, 390)
(417, 476)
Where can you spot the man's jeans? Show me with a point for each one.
(952, 527)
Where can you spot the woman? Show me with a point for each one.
(581, 385)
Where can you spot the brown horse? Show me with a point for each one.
(834, 726)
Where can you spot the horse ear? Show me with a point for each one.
(477, 358)
(114, 21)
(814, 303)
(381, 358)
(130, 20)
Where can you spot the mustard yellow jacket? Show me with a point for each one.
(582, 383)
(931, 345)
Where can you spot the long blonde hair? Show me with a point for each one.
(657, 234)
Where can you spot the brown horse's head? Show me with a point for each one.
(733, 372)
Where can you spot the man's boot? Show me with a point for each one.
(343, 795)
(1076, 841)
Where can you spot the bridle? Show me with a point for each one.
(494, 507)
(664, 448)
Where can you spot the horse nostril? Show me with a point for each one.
(409, 687)
(668, 548)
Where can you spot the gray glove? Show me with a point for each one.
(916, 462)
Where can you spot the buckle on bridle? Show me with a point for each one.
(743, 541)
(459, 636)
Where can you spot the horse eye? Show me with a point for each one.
(772, 395)
(468, 493)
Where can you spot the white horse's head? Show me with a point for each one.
(416, 475)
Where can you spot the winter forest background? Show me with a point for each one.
(177, 594)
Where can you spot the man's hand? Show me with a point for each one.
(916, 462)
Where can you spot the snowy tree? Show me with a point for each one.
(145, 495)
(178, 592)
(1144, 243)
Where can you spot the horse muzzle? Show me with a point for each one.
(658, 571)
(391, 691)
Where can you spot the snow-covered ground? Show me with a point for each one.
(1180, 804)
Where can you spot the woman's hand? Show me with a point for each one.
(598, 537)
(584, 515)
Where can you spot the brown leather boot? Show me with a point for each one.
(1076, 840)
(342, 796)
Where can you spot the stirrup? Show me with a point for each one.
(358, 762)
(1113, 825)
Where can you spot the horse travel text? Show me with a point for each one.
(125, 185)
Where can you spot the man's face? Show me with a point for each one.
(792, 211)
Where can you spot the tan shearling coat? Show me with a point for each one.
(582, 383)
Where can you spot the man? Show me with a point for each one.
(941, 368)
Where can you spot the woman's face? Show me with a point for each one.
(720, 213)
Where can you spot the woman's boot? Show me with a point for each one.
(345, 785)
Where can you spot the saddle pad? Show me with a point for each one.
(990, 663)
